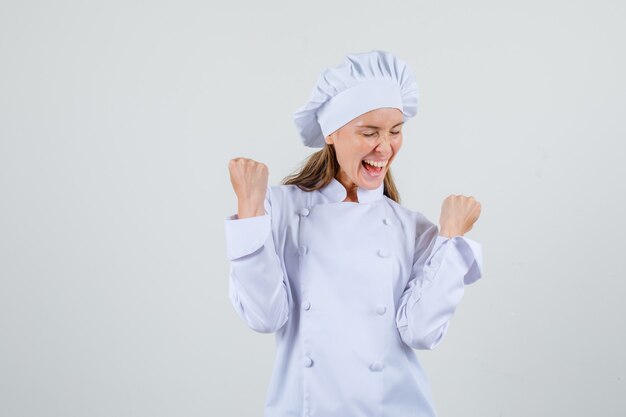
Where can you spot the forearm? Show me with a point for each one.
(257, 286)
(246, 209)
(424, 315)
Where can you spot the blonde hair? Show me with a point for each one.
(321, 167)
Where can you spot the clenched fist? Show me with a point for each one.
(458, 214)
(249, 180)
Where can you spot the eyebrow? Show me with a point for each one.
(376, 127)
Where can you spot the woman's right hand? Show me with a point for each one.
(249, 180)
(458, 215)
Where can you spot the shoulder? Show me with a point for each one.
(282, 193)
(284, 197)
(410, 219)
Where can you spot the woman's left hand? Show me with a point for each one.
(458, 214)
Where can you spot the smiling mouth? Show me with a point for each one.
(374, 168)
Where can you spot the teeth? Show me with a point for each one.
(379, 164)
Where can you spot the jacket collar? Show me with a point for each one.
(336, 192)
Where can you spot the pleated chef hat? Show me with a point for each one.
(363, 82)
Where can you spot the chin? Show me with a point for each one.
(371, 183)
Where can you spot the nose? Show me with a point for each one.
(384, 144)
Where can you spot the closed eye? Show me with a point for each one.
(369, 135)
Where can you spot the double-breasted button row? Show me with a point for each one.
(382, 252)
(380, 309)
(432, 264)
(303, 250)
(376, 367)
(308, 362)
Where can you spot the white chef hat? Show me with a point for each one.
(363, 82)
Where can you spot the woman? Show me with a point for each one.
(349, 280)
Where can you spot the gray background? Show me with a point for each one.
(117, 121)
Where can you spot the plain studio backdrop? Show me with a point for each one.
(117, 122)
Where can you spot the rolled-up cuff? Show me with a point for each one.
(470, 251)
(473, 254)
(244, 236)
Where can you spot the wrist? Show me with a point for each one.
(450, 233)
(244, 211)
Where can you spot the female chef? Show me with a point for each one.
(349, 280)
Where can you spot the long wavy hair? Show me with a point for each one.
(321, 167)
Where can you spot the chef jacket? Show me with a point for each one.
(349, 289)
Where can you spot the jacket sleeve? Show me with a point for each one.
(257, 286)
(442, 266)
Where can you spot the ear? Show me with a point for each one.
(330, 139)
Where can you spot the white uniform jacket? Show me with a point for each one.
(349, 288)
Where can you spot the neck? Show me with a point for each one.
(351, 187)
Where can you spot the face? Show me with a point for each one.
(375, 137)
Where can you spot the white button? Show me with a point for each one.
(306, 304)
(304, 212)
(308, 362)
(387, 221)
(304, 250)
(383, 253)
(376, 367)
(381, 309)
